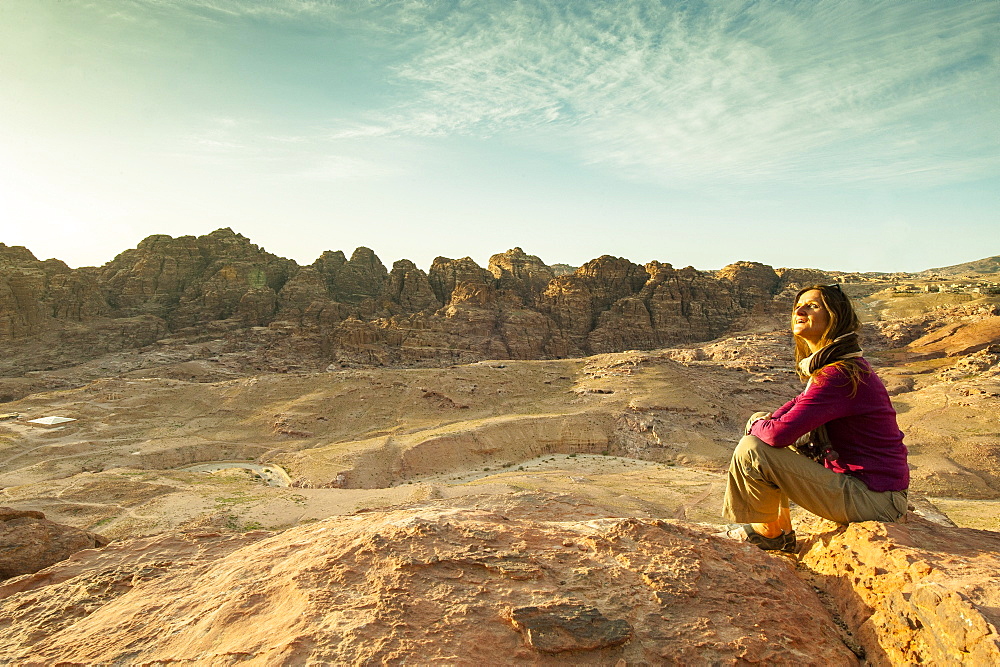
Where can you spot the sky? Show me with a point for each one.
(856, 135)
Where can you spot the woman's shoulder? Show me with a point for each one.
(846, 365)
(842, 369)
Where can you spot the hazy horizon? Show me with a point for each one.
(846, 135)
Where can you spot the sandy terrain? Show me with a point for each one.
(645, 434)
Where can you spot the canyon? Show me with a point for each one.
(521, 463)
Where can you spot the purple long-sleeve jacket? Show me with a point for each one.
(862, 427)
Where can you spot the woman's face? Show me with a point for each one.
(810, 318)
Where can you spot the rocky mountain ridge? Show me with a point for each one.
(356, 311)
(987, 265)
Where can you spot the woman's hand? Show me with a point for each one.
(755, 417)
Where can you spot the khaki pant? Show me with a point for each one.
(763, 478)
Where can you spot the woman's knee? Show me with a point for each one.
(747, 456)
(748, 447)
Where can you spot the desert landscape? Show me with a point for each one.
(519, 463)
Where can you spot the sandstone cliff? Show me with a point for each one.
(192, 280)
(36, 295)
(355, 311)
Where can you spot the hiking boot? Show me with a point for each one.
(744, 532)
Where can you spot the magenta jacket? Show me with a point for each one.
(862, 428)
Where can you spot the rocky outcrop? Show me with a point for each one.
(29, 542)
(442, 582)
(940, 332)
(913, 592)
(428, 584)
(575, 301)
(520, 276)
(151, 277)
(354, 311)
(306, 303)
(355, 281)
(409, 288)
(796, 279)
(35, 295)
(756, 282)
(190, 280)
(447, 274)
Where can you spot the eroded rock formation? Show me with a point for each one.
(441, 582)
(355, 311)
(912, 592)
(427, 584)
(191, 280)
(29, 542)
(35, 295)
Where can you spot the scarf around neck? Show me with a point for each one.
(816, 444)
(841, 347)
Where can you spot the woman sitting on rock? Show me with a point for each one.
(835, 449)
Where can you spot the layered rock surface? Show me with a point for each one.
(912, 592)
(29, 542)
(430, 584)
(192, 350)
(534, 578)
(355, 311)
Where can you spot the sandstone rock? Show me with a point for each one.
(34, 293)
(409, 287)
(558, 627)
(427, 584)
(21, 312)
(955, 339)
(575, 301)
(234, 269)
(674, 306)
(191, 280)
(913, 592)
(627, 325)
(70, 343)
(445, 274)
(528, 334)
(901, 332)
(362, 277)
(756, 281)
(353, 341)
(75, 295)
(798, 278)
(457, 312)
(257, 306)
(470, 294)
(464, 332)
(151, 277)
(521, 276)
(562, 269)
(305, 301)
(29, 542)
(329, 264)
(608, 305)
(111, 335)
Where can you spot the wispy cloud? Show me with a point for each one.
(739, 90)
(726, 91)
(242, 143)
